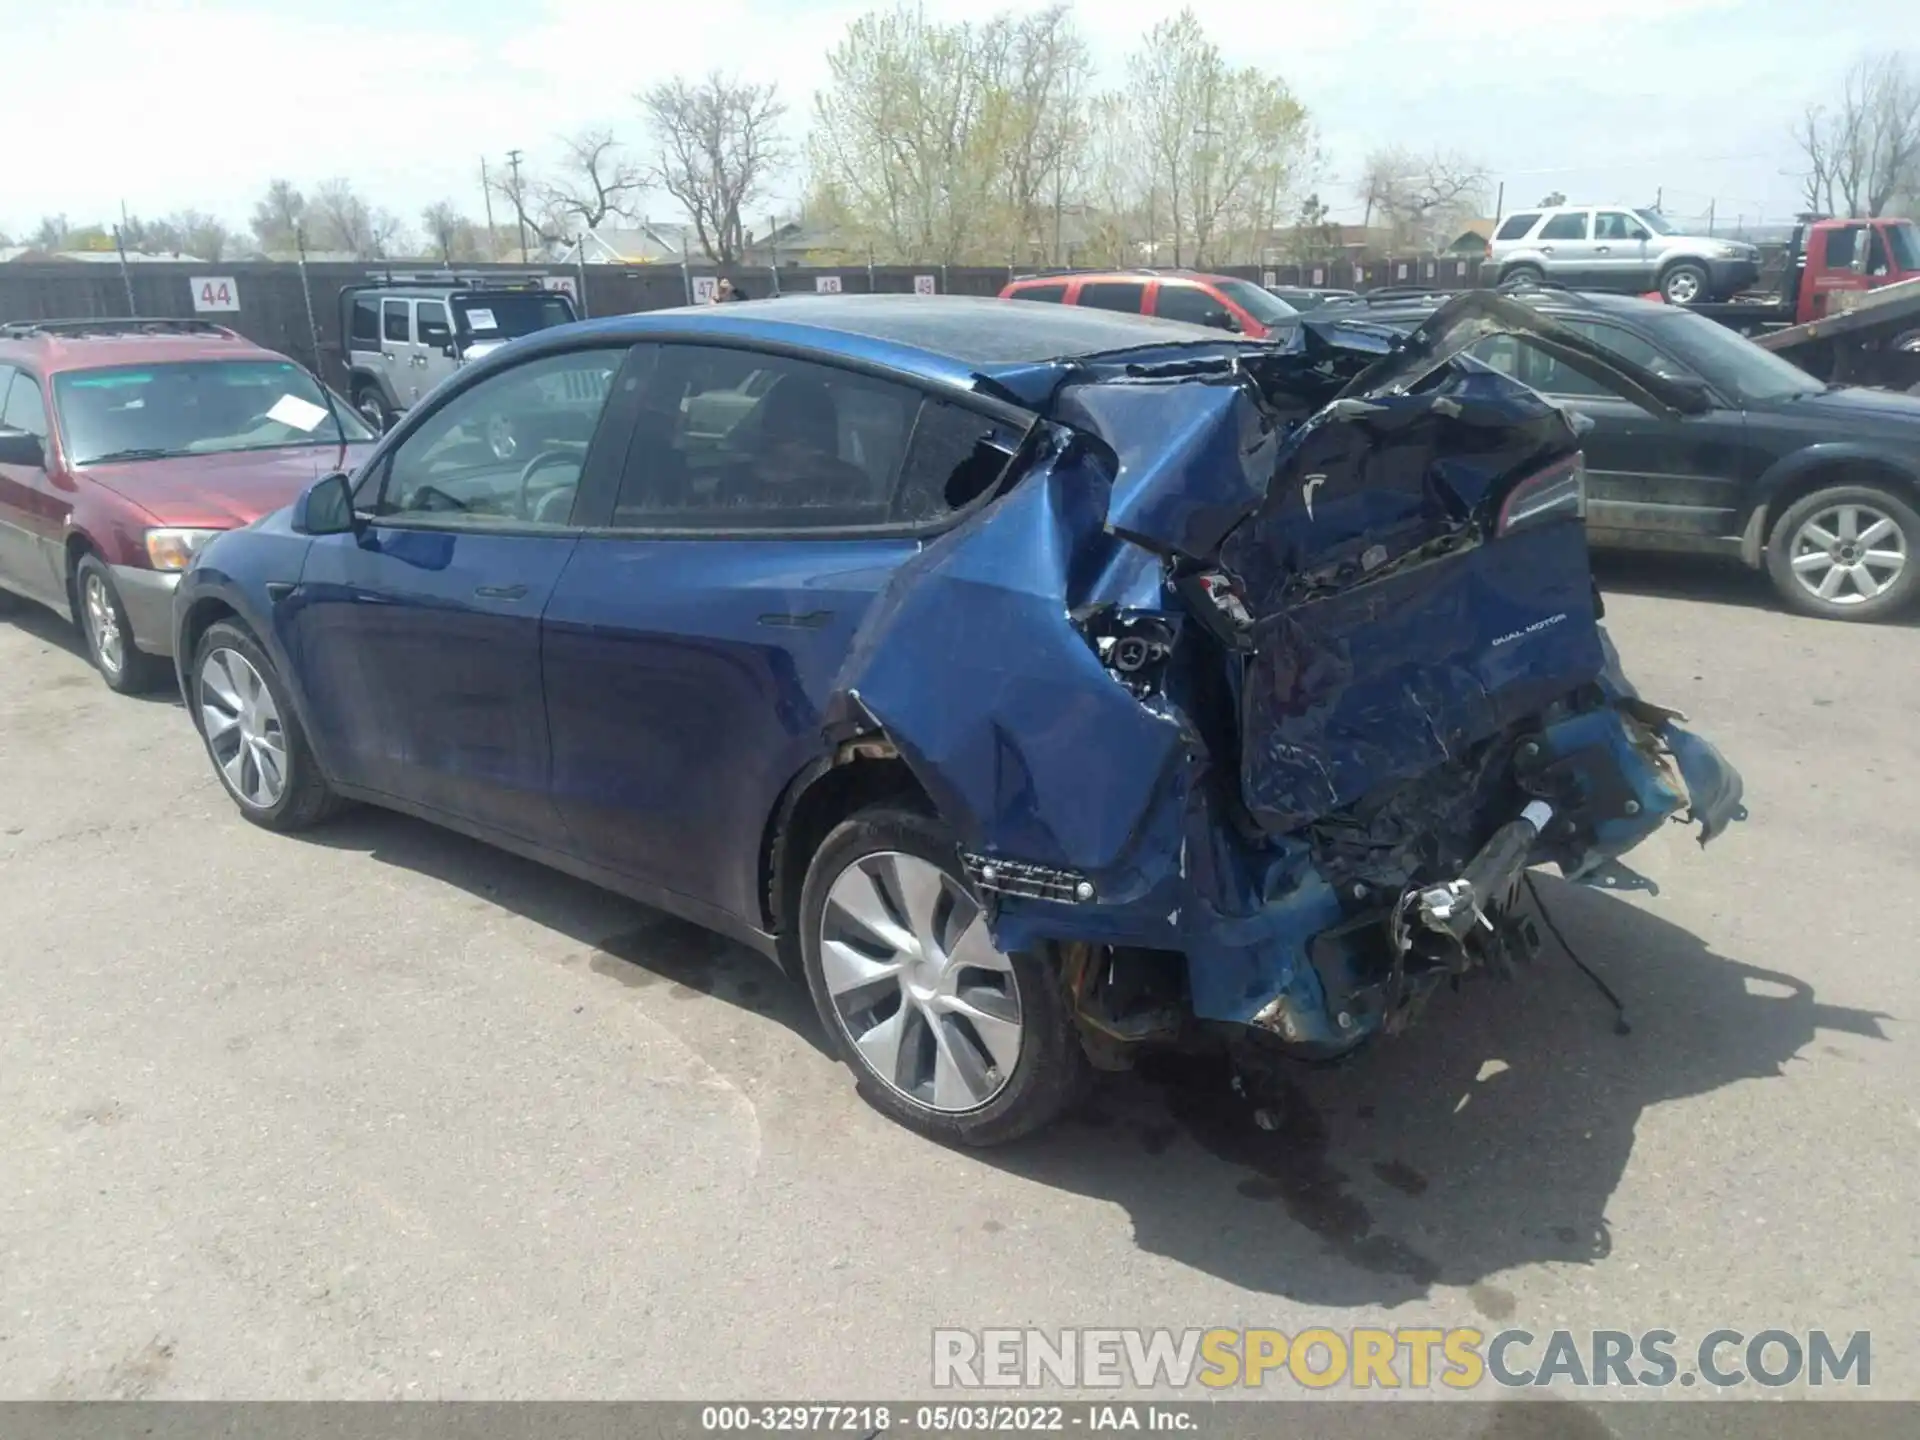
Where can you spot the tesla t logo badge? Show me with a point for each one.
(1307, 487)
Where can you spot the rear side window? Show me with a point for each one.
(1516, 226)
(955, 457)
(366, 322)
(1570, 226)
(731, 440)
(25, 409)
(1125, 296)
(1054, 293)
(393, 321)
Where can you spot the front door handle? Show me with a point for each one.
(1603, 249)
(501, 592)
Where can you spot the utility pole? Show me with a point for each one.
(519, 208)
(486, 198)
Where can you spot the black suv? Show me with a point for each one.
(1817, 484)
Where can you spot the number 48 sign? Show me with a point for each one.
(214, 294)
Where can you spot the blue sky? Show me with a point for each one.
(170, 103)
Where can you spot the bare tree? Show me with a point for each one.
(595, 179)
(1864, 152)
(200, 234)
(1423, 199)
(450, 235)
(717, 148)
(342, 219)
(277, 216)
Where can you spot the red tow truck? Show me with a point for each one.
(1847, 309)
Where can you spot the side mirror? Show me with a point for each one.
(17, 447)
(1694, 396)
(1223, 320)
(327, 507)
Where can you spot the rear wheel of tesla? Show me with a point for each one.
(252, 734)
(943, 1031)
(1846, 553)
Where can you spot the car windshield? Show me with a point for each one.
(1730, 362)
(507, 317)
(197, 407)
(1904, 241)
(1656, 222)
(1267, 309)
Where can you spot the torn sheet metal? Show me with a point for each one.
(1360, 671)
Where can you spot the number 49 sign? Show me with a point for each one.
(214, 293)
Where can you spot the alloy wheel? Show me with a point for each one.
(928, 1002)
(243, 727)
(1683, 287)
(1848, 554)
(103, 625)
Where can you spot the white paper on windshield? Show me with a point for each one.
(481, 320)
(300, 414)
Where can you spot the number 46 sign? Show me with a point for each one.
(214, 294)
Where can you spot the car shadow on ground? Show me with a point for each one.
(1491, 1135)
(630, 944)
(1715, 580)
(59, 632)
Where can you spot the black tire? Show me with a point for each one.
(127, 669)
(306, 799)
(1690, 278)
(1051, 1073)
(1894, 595)
(371, 401)
(1518, 275)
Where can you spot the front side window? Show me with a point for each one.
(1193, 305)
(509, 451)
(1617, 225)
(394, 323)
(1515, 227)
(740, 440)
(430, 316)
(1053, 293)
(1570, 226)
(1656, 222)
(197, 407)
(1124, 296)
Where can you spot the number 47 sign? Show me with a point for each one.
(214, 293)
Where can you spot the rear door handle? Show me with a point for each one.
(501, 592)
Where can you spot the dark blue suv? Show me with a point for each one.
(1040, 683)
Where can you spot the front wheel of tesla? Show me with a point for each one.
(253, 736)
(943, 1030)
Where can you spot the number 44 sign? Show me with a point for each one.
(214, 294)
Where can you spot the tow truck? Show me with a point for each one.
(1847, 308)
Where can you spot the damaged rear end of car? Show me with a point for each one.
(1269, 675)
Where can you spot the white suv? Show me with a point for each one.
(1617, 247)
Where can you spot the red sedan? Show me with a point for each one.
(125, 445)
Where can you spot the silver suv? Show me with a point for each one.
(407, 333)
(1618, 247)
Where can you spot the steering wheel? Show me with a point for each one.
(540, 462)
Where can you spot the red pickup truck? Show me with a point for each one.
(1847, 308)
